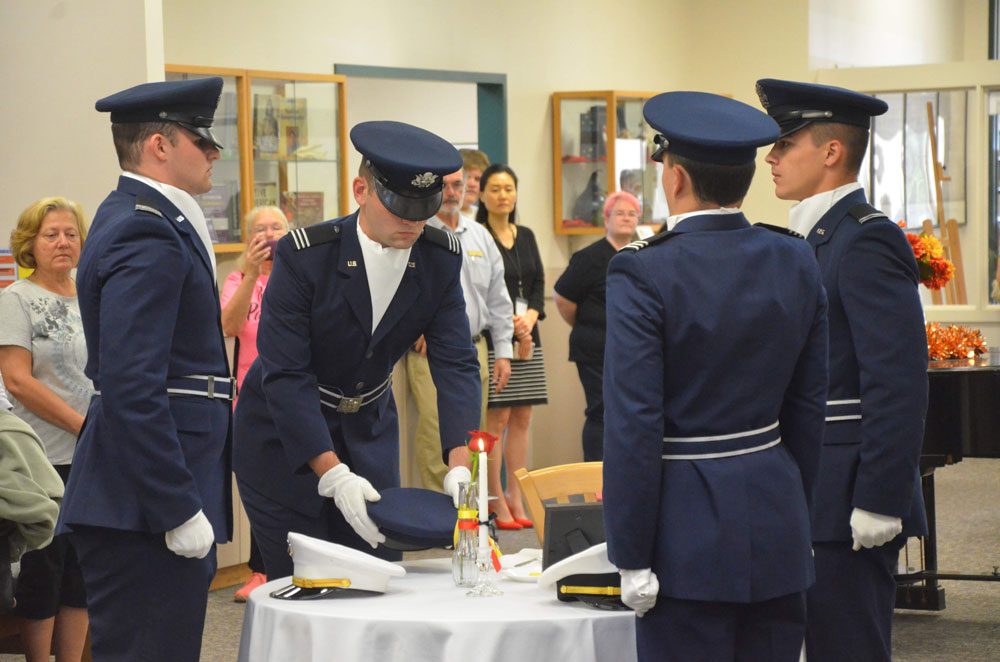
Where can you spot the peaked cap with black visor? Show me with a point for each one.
(407, 164)
(190, 103)
(795, 105)
(707, 128)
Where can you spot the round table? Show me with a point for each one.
(424, 616)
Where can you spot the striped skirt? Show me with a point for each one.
(526, 385)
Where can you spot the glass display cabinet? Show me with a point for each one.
(587, 164)
(283, 136)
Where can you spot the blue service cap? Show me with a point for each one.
(413, 518)
(190, 103)
(407, 164)
(708, 128)
(795, 105)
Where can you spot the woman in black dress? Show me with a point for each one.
(523, 272)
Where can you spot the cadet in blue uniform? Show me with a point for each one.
(316, 432)
(149, 494)
(714, 385)
(868, 497)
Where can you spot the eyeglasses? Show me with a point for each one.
(626, 213)
(273, 227)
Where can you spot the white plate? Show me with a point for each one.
(526, 573)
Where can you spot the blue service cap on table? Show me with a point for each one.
(795, 105)
(407, 164)
(412, 518)
(190, 103)
(325, 569)
(588, 576)
(708, 128)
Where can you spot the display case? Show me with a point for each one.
(586, 164)
(283, 136)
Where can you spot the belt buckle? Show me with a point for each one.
(349, 405)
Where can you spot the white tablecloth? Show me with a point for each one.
(424, 616)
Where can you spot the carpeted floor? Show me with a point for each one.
(968, 502)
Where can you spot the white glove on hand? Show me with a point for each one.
(453, 479)
(639, 590)
(193, 539)
(351, 494)
(872, 530)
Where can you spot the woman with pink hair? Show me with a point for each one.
(579, 297)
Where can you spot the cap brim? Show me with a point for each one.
(203, 131)
(293, 592)
(411, 209)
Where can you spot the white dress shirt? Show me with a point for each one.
(189, 208)
(487, 303)
(384, 267)
(672, 221)
(804, 216)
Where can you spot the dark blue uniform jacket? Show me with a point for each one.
(150, 309)
(315, 330)
(719, 329)
(878, 356)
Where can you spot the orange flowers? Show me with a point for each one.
(952, 341)
(934, 268)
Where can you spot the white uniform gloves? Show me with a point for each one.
(453, 479)
(873, 530)
(193, 539)
(351, 494)
(639, 589)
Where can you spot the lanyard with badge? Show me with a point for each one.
(520, 302)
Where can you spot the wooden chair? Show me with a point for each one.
(557, 484)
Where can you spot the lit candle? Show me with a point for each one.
(484, 544)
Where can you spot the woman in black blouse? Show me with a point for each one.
(523, 272)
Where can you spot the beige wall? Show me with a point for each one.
(57, 59)
(56, 143)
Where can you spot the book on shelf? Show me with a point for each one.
(303, 207)
(265, 194)
(293, 127)
(224, 127)
(266, 109)
(221, 208)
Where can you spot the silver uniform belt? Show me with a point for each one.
(843, 410)
(721, 445)
(206, 386)
(328, 397)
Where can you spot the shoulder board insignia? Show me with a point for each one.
(148, 206)
(314, 235)
(657, 238)
(864, 212)
(443, 239)
(780, 230)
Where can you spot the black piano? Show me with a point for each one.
(963, 420)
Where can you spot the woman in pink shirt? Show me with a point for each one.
(241, 298)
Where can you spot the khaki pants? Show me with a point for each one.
(427, 441)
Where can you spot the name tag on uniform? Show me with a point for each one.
(475, 253)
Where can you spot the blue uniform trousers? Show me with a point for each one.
(698, 631)
(850, 605)
(592, 379)
(146, 603)
(272, 521)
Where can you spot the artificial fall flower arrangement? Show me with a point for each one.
(934, 268)
(951, 341)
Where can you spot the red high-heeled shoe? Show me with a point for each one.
(524, 522)
(508, 525)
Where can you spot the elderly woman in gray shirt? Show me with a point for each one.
(42, 360)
